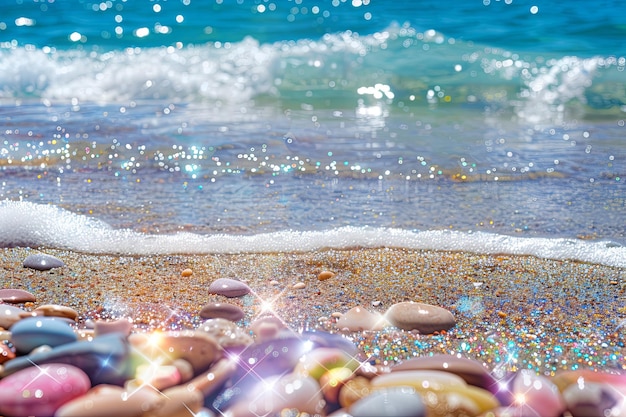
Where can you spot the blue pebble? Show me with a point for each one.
(32, 332)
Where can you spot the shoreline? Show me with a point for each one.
(512, 312)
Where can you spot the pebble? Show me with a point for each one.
(40, 391)
(438, 388)
(16, 296)
(29, 333)
(222, 310)
(592, 399)
(424, 318)
(104, 359)
(536, 395)
(471, 371)
(396, 402)
(229, 287)
(186, 272)
(42, 262)
(324, 275)
(55, 310)
(299, 286)
(9, 315)
(358, 318)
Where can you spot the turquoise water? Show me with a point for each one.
(259, 117)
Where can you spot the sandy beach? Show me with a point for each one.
(512, 312)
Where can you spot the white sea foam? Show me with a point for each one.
(36, 225)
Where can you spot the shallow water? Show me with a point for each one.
(316, 117)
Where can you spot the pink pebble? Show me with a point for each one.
(228, 287)
(16, 296)
(536, 395)
(41, 390)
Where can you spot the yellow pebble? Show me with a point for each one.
(324, 275)
(187, 272)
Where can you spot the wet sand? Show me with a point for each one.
(512, 312)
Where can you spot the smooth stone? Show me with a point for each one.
(447, 388)
(7, 351)
(325, 275)
(109, 400)
(222, 310)
(187, 272)
(591, 399)
(104, 359)
(536, 395)
(229, 287)
(196, 347)
(227, 333)
(122, 326)
(299, 286)
(55, 310)
(40, 391)
(470, 370)
(394, 402)
(9, 315)
(358, 319)
(16, 296)
(318, 361)
(290, 391)
(424, 318)
(29, 333)
(419, 380)
(42, 262)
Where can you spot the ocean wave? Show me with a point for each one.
(26, 224)
(399, 66)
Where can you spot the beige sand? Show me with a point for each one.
(512, 312)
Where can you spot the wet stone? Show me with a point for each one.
(42, 262)
(229, 287)
(29, 333)
(359, 318)
(222, 310)
(104, 359)
(40, 391)
(424, 318)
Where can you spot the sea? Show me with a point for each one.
(225, 126)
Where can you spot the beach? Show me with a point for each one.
(512, 312)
